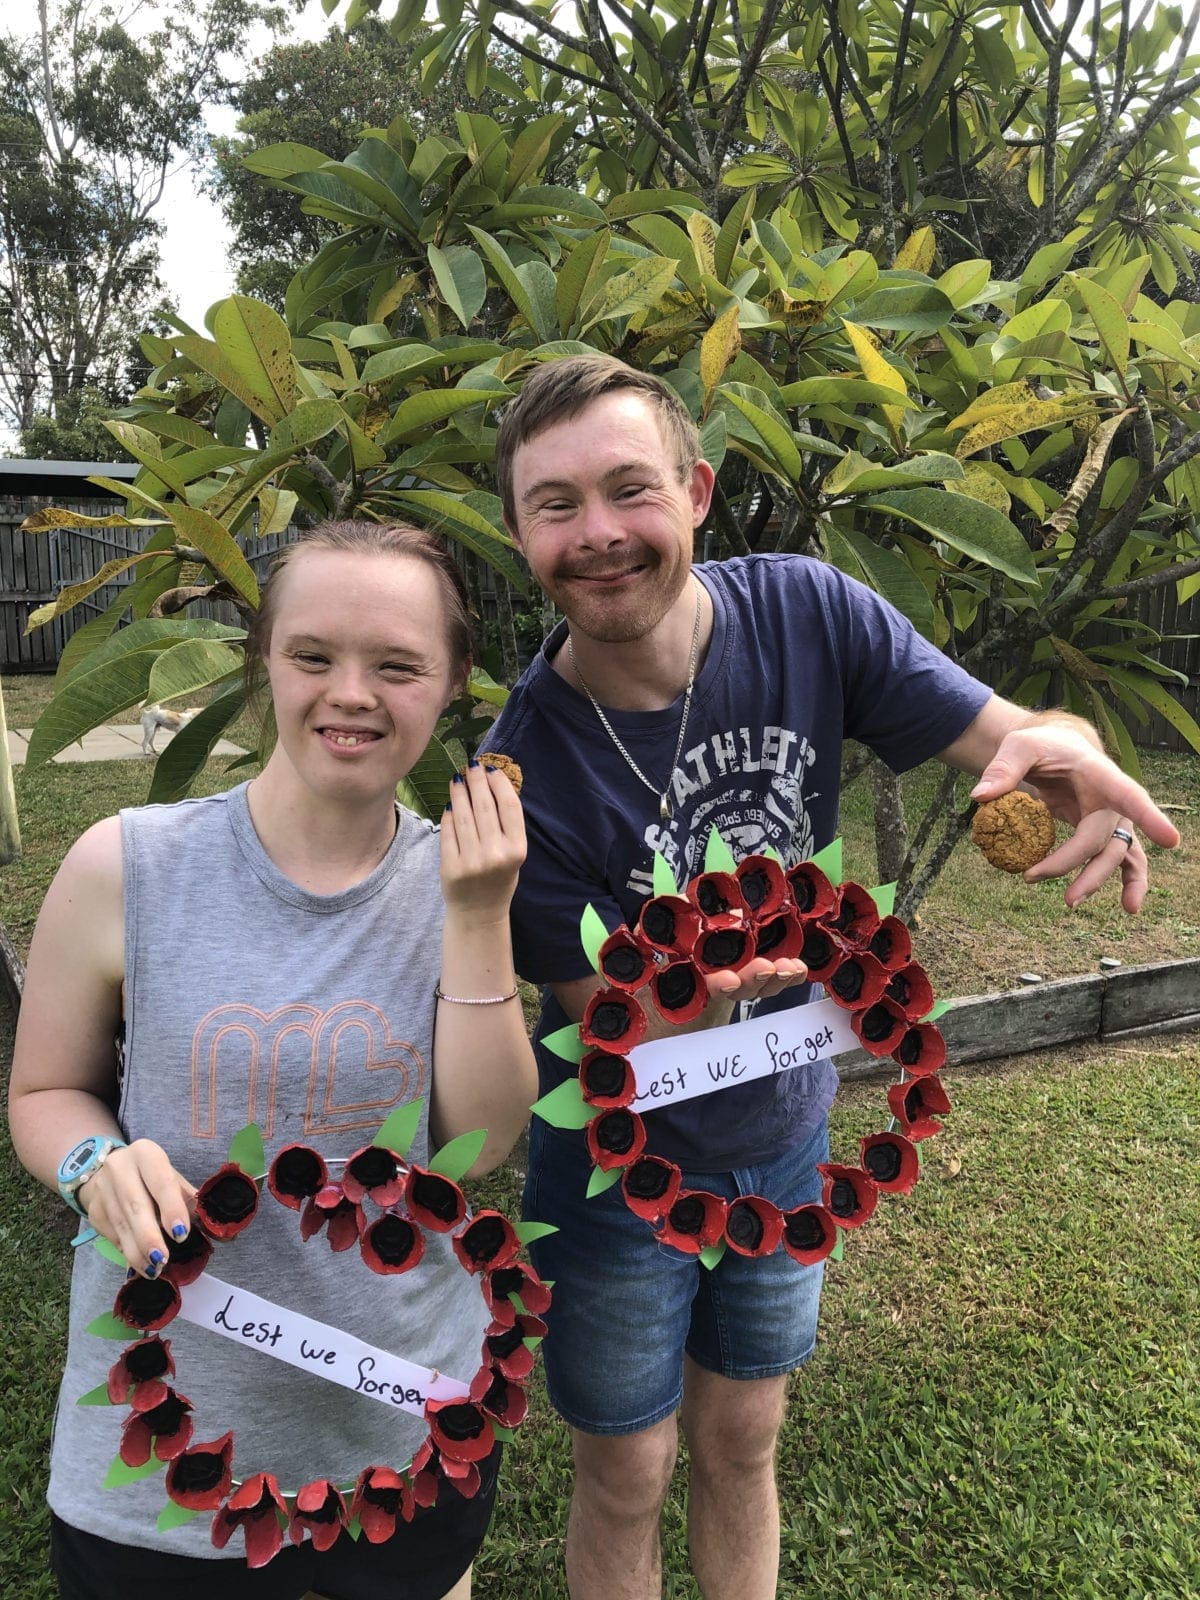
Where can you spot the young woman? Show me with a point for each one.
(289, 953)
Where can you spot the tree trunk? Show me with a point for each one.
(891, 830)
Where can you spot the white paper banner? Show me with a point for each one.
(312, 1346)
(690, 1064)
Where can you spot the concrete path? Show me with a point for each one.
(113, 742)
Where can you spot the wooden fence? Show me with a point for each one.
(34, 567)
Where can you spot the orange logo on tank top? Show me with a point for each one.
(237, 1049)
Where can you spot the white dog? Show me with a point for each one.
(156, 717)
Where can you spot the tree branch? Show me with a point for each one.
(1150, 581)
(545, 61)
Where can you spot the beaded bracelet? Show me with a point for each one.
(490, 1000)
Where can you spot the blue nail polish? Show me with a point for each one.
(472, 762)
(448, 806)
(130, 1274)
(151, 1271)
(157, 1257)
(491, 769)
(179, 1231)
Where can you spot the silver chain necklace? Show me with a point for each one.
(664, 804)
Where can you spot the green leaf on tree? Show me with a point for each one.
(718, 857)
(601, 1180)
(246, 1150)
(565, 1042)
(565, 1107)
(593, 934)
(400, 1128)
(457, 1158)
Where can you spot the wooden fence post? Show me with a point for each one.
(10, 829)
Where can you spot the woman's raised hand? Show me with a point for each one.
(138, 1201)
(483, 842)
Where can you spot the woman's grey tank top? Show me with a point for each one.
(248, 999)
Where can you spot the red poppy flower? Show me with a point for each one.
(296, 1175)
(392, 1244)
(502, 1400)
(504, 1348)
(373, 1171)
(753, 1226)
(650, 1186)
(880, 1027)
(625, 963)
(891, 944)
(433, 1201)
(695, 1221)
(330, 1208)
(187, 1258)
(141, 1369)
(319, 1511)
(487, 1242)
(147, 1303)
(857, 981)
(520, 1279)
(226, 1202)
(201, 1476)
(716, 894)
(678, 992)
(855, 915)
(916, 1103)
(669, 923)
(820, 952)
(911, 990)
(606, 1080)
(380, 1496)
(255, 1507)
(922, 1051)
(849, 1193)
(615, 1138)
(809, 1234)
(430, 1468)
(167, 1426)
(812, 893)
(780, 938)
(891, 1160)
(763, 886)
(460, 1429)
(724, 945)
(612, 1021)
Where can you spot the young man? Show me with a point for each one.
(674, 699)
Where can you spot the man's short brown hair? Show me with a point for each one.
(563, 388)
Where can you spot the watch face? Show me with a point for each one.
(77, 1160)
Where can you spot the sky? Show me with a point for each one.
(195, 260)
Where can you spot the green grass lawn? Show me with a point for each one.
(1005, 1401)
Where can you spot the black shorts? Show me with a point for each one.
(422, 1561)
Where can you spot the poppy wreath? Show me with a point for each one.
(386, 1206)
(730, 913)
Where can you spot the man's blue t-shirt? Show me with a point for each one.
(801, 657)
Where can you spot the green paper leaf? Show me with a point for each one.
(118, 1474)
(717, 855)
(110, 1327)
(565, 1107)
(885, 898)
(773, 855)
(939, 1010)
(354, 1529)
(593, 934)
(527, 1232)
(829, 860)
(95, 1397)
(400, 1128)
(506, 1435)
(532, 1341)
(173, 1516)
(565, 1042)
(601, 1180)
(454, 1160)
(920, 1157)
(664, 878)
(246, 1150)
(515, 1299)
(839, 1249)
(109, 1251)
(710, 1257)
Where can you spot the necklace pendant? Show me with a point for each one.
(664, 808)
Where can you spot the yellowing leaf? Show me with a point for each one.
(795, 312)
(980, 484)
(1109, 319)
(917, 251)
(1024, 418)
(877, 369)
(717, 349)
(1089, 471)
(703, 235)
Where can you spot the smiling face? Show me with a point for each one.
(604, 520)
(359, 667)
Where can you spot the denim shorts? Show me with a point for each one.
(627, 1308)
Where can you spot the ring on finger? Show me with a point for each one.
(1123, 833)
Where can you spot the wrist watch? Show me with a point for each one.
(79, 1164)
